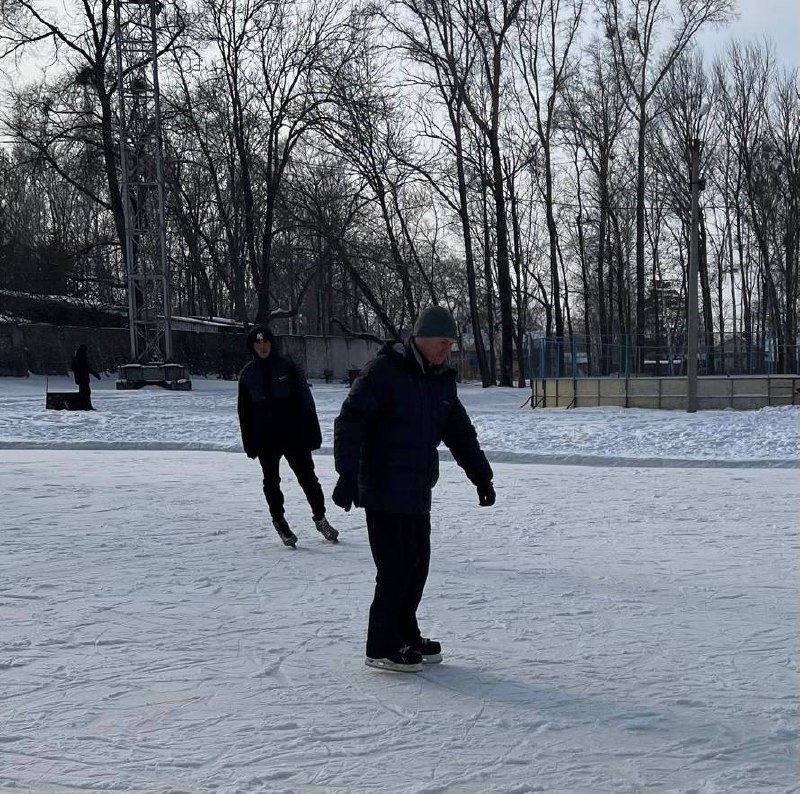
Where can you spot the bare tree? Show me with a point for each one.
(744, 81)
(277, 61)
(203, 172)
(784, 133)
(301, 50)
(332, 200)
(81, 43)
(635, 29)
(430, 34)
(475, 56)
(367, 130)
(490, 21)
(684, 96)
(546, 32)
(597, 122)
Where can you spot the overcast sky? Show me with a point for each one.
(777, 19)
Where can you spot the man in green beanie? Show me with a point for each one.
(403, 404)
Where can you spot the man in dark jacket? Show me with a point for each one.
(401, 406)
(278, 418)
(82, 370)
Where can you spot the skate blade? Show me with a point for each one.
(432, 658)
(392, 667)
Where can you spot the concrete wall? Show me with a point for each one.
(48, 349)
(337, 354)
(12, 350)
(741, 392)
(319, 356)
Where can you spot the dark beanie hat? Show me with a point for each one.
(436, 321)
(259, 333)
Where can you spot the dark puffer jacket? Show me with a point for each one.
(390, 425)
(81, 368)
(275, 406)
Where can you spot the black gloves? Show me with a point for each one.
(486, 494)
(345, 494)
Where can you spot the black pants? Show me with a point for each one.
(401, 548)
(302, 464)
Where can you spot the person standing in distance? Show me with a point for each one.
(278, 419)
(82, 369)
(402, 405)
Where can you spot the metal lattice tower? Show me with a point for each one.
(142, 180)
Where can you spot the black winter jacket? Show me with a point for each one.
(390, 425)
(275, 407)
(81, 370)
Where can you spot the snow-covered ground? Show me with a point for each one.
(606, 628)
(205, 419)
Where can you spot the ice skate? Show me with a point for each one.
(406, 660)
(326, 530)
(430, 650)
(284, 532)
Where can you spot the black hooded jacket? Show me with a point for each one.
(81, 368)
(390, 424)
(275, 406)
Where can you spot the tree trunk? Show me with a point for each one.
(705, 286)
(489, 281)
(487, 372)
(503, 268)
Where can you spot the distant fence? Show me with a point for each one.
(581, 357)
(740, 392)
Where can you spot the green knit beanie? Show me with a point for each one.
(436, 321)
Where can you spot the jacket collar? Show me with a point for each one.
(418, 356)
(408, 355)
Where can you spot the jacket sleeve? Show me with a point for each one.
(361, 406)
(309, 430)
(461, 439)
(244, 409)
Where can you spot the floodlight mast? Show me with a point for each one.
(142, 181)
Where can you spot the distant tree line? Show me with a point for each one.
(342, 164)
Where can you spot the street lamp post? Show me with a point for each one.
(691, 287)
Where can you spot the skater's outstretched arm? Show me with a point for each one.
(461, 439)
